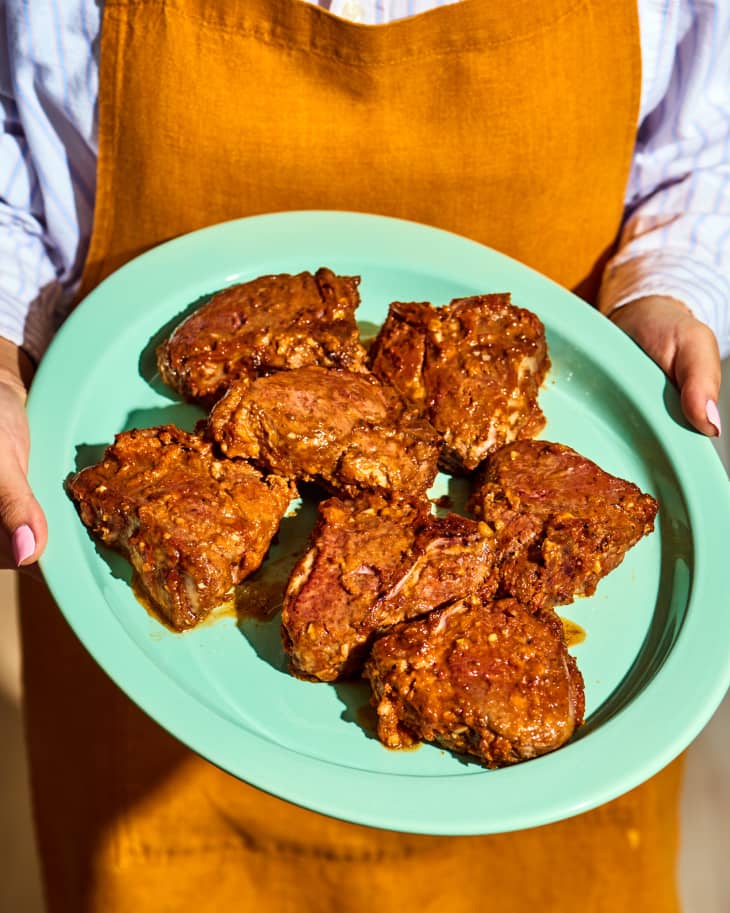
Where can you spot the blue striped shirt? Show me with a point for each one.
(675, 238)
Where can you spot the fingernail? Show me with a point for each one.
(23, 542)
(713, 416)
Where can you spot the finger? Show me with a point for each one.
(697, 373)
(684, 348)
(7, 562)
(21, 517)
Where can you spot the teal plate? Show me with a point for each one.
(656, 657)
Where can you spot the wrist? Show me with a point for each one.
(650, 301)
(16, 368)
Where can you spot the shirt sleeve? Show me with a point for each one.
(48, 91)
(29, 282)
(675, 239)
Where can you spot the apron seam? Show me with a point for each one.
(367, 59)
(103, 214)
(280, 848)
(630, 132)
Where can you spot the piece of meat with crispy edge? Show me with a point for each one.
(343, 430)
(271, 323)
(369, 564)
(561, 522)
(473, 368)
(191, 524)
(488, 679)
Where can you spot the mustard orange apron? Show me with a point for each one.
(508, 121)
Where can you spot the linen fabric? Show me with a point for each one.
(211, 111)
(675, 238)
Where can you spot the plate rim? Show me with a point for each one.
(701, 492)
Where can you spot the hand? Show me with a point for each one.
(684, 348)
(23, 529)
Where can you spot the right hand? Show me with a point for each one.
(684, 348)
(23, 528)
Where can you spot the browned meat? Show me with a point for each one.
(269, 324)
(488, 679)
(473, 367)
(371, 563)
(561, 522)
(191, 525)
(345, 430)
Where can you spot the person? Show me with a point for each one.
(588, 140)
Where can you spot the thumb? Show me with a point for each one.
(23, 529)
(697, 373)
(23, 522)
(684, 348)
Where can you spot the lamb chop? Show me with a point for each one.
(472, 367)
(192, 525)
(488, 679)
(561, 522)
(371, 563)
(344, 430)
(269, 324)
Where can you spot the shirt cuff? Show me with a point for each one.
(696, 284)
(33, 328)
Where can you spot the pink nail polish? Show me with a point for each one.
(713, 416)
(23, 542)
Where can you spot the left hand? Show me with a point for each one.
(684, 348)
(23, 528)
